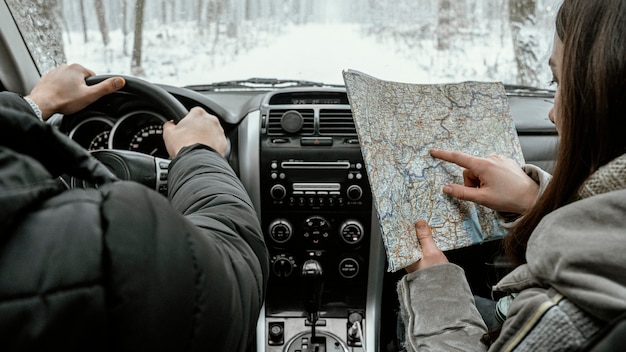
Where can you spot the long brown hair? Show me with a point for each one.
(592, 108)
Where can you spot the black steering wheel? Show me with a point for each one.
(164, 101)
(129, 165)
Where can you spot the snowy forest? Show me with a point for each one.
(127, 34)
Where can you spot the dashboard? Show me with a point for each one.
(297, 153)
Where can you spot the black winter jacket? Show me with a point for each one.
(121, 267)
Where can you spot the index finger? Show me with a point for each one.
(459, 158)
(107, 86)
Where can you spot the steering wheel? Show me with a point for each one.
(129, 165)
(165, 102)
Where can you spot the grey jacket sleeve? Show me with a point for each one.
(438, 311)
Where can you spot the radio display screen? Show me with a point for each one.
(310, 98)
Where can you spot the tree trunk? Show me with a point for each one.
(163, 12)
(102, 23)
(522, 15)
(125, 26)
(444, 25)
(199, 17)
(83, 21)
(135, 65)
(65, 25)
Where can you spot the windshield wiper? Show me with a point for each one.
(261, 83)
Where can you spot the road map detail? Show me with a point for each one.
(397, 124)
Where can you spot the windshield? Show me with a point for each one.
(197, 42)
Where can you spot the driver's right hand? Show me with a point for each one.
(197, 127)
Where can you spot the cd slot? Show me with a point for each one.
(303, 186)
(315, 164)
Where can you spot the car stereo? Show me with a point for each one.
(316, 211)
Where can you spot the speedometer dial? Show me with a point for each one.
(140, 131)
(148, 140)
(92, 133)
(100, 141)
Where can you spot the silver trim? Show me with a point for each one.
(249, 174)
(91, 120)
(126, 117)
(315, 164)
(374, 286)
(249, 160)
(342, 345)
(304, 186)
(260, 331)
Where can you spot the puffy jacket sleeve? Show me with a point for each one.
(14, 101)
(438, 311)
(229, 242)
(205, 189)
(188, 273)
(23, 132)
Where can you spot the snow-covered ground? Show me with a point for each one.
(317, 52)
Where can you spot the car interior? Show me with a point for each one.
(296, 150)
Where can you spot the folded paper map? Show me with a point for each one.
(397, 124)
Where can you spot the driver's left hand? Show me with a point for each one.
(63, 90)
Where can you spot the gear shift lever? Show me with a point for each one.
(312, 284)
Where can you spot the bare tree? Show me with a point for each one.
(216, 11)
(522, 15)
(163, 12)
(83, 20)
(102, 23)
(125, 26)
(199, 17)
(444, 25)
(135, 64)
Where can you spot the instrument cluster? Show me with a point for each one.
(140, 131)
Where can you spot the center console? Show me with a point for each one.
(316, 211)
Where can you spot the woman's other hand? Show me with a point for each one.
(431, 254)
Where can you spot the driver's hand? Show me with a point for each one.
(63, 90)
(496, 182)
(197, 127)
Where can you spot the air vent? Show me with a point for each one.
(275, 128)
(336, 122)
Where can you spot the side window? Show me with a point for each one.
(39, 25)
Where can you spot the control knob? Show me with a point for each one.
(354, 192)
(278, 192)
(283, 265)
(280, 230)
(316, 229)
(351, 232)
